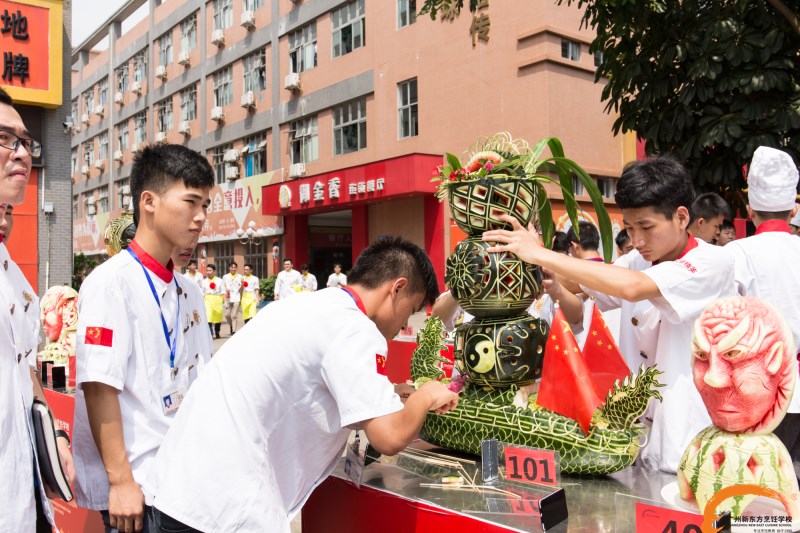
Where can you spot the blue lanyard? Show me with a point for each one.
(171, 342)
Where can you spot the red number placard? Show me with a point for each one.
(653, 519)
(530, 466)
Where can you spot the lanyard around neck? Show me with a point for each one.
(171, 341)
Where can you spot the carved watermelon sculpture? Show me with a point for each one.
(744, 367)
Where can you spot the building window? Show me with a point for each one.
(74, 161)
(255, 72)
(140, 128)
(122, 78)
(570, 50)
(223, 254)
(223, 88)
(164, 114)
(165, 49)
(102, 92)
(304, 140)
(88, 152)
(102, 199)
(256, 255)
(598, 59)
(348, 28)
(74, 112)
(189, 34)
(189, 103)
(218, 161)
(223, 14)
(303, 48)
(407, 108)
(103, 152)
(350, 127)
(140, 67)
(88, 101)
(406, 12)
(252, 5)
(255, 154)
(122, 136)
(607, 186)
(121, 203)
(75, 206)
(577, 186)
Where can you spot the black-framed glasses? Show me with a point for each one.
(9, 141)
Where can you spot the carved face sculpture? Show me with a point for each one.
(744, 364)
(59, 311)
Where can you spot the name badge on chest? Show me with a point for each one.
(171, 400)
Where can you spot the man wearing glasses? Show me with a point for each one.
(23, 492)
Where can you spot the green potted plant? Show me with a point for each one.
(501, 175)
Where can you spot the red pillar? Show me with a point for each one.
(360, 230)
(434, 235)
(295, 239)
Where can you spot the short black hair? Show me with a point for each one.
(337, 265)
(304, 267)
(287, 259)
(590, 237)
(5, 98)
(192, 262)
(157, 168)
(773, 215)
(212, 266)
(560, 242)
(661, 183)
(233, 264)
(709, 205)
(622, 238)
(727, 224)
(389, 258)
(248, 265)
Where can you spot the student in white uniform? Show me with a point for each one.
(708, 211)
(766, 263)
(192, 274)
(269, 418)
(654, 196)
(251, 293)
(309, 280)
(289, 281)
(141, 338)
(232, 282)
(25, 506)
(337, 279)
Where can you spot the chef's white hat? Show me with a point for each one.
(772, 181)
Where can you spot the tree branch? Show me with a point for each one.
(787, 13)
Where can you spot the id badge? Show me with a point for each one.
(171, 400)
(354, 461)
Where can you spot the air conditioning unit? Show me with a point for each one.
(248, 100)
(99, 110)
(217, 114)
(231, 173)
(85, 118)
(297, 170)
(90, 200)
(292, 82)
(135, 147)
(161, 137)
(183, 58)
(248, 20)
(184, 128)
(118, 156)
(136, 87)
(100, 164)
(218, 38)
(91, 209)
(118, 97)
(85, 170)
(125, 189)
(161, 72)
(231, 156)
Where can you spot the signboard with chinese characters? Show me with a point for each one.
(31, 34)
(235, 204)
(342, 189)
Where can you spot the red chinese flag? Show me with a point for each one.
(380, 364)
(99, 336)
(566, 386)
(602, 356)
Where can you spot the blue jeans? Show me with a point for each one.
(166, 524)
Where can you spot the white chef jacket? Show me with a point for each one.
(197, 278)
(269, 418)
(309, 282)
(116, 296)
(252, 283)
(286, 283)
(19, 329)
(337, 280)
(766, 266)
(219, 287)
(232, 285)
(687, 286)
